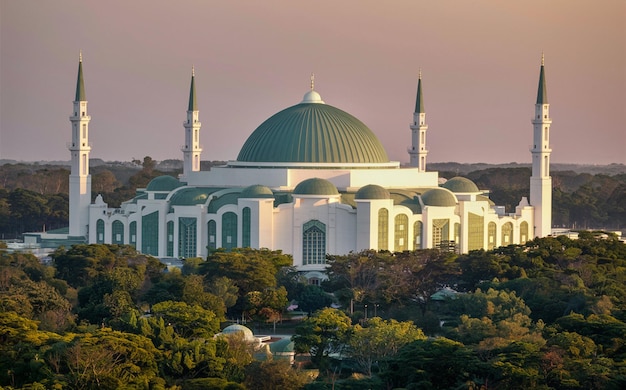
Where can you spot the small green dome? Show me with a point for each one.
(439, 197)
(460, 184)
(372, 191)
(236, 328)
(163, 183)
(257, 191)
(313, 133)
(190, 196)
(315, 186)
(282, 346)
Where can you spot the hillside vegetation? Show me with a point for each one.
(550, 314)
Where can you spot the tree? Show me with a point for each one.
(187, 320)
(379, 339)
(274, 374)
(322, 334)
(438, 363)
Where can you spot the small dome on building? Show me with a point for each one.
(372, 191)
(190, 196)
(282, 346)
(257, 191)
(439, 197)
(315, 186)
(236, 328)
(163, 183)
(312, 97)
(461, 185)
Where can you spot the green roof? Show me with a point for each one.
(460, 184)
(219, 201)
(257, 191)
(190, 196)
(406, 198)
(372, 191)
(313, 133)
(440, 197)
(163, 183)
(80, 84)
(315, 186)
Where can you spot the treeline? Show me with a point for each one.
(550, 314)
(580, 200)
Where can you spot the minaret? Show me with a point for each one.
(192, 149)
(80, 179)
(417, 151)
(540, 181)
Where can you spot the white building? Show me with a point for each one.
(310, 180)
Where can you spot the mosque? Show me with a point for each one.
(311, 180)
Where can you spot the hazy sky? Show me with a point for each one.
(479, 59)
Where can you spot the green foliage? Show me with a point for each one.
(274, 374)
(189, 321)
(322, 334)
(378, 340)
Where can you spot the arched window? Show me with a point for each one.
(150, 234)
(229, 230)
(133, 234)
(187, 237)
(170, 238)
(401, 233)
(313, 243)
(117, 230)
(245, 227)
(417, 234)
(100, 231)
(523, 232)
(212, 232)
(491, 235)
(475, 232)
(507, 234)
(441, 233)
(383, 229)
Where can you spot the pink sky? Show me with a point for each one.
(480, 63)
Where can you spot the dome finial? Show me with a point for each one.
(193, 71)
(80, 55)
(312, 81)
(420, 74)
(542, 58)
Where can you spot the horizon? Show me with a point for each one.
(479, 62)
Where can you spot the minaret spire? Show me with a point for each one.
(80, 83)
(540, 180)
(193, 105)
(542, 91)
(418, 151)
(192, 149)
(80, 179)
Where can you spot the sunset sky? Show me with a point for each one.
(479, 59)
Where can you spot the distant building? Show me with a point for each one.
(310, 180)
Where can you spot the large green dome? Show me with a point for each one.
(313, 132)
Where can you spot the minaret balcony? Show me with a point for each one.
(187, 148)
(79, 146)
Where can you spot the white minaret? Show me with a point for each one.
(417, 151)
(192, 149)
(80, 179)
(540, 181)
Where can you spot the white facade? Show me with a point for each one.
(310, 209)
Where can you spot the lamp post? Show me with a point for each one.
(365, 312)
